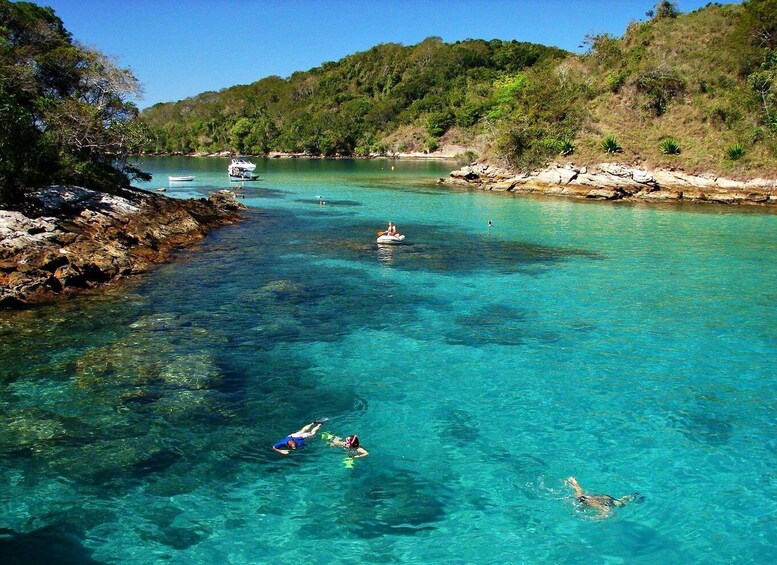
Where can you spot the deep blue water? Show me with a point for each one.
(630, 346)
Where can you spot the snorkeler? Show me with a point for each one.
(604, 503)
(350, 443)
(297, 439)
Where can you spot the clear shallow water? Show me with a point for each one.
(633, 347)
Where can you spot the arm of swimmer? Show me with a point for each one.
(361, 452)
(281, 451)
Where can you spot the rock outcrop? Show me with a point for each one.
(612, 181)
(67, 239)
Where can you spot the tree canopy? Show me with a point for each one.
(65, 109)
(351, 106)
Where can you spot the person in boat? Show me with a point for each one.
(296, 440)
(350, 443)
(392, 230)
(603, 503)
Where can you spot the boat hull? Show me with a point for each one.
(243, 177)
(180, 178)
(391, 239)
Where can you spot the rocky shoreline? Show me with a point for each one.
(68, 239)
(612, 181)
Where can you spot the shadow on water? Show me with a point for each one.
(389, 502)
(59, 544)
(496, 324)
(704, 422)
(262, 192)
(458, 427)
(325, 202)
(434, 249)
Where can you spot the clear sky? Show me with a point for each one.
(180, 48)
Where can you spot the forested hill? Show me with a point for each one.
(355, 104)
(693, 91)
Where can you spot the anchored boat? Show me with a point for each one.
(241, 169)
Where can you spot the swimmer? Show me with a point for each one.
(293, 441)
(351, 443)
(603, 503)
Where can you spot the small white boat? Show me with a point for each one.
(242, 163)
(391, 239)
(180, 178)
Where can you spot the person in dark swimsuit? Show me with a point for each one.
(603, 503)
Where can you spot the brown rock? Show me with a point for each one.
(73, 238)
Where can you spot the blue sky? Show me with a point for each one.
(180, 48)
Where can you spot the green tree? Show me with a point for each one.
(65, 108)
(762, 22)
(764, 83)
(666, 9)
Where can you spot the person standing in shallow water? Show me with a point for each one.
(603, 503)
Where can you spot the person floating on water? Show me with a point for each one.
(293, 441)
(350, 443)
(490, 224)
(603, 503)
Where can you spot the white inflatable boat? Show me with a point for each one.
(391, 239)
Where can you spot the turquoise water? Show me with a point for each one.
(630, 346)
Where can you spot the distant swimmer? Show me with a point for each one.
(350, 443)
(490, 224)
(296, 440)
(603, 503)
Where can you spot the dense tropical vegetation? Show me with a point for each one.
(64, 108)
(354, 105)
(703, 80)
(695, 91)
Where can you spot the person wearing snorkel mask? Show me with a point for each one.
(350, 443)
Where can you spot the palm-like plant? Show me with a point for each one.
(669, 147)
(610, 145)
(735, 151)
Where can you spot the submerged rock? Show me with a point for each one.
(66, 239)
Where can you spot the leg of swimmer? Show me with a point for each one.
(307, 428)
